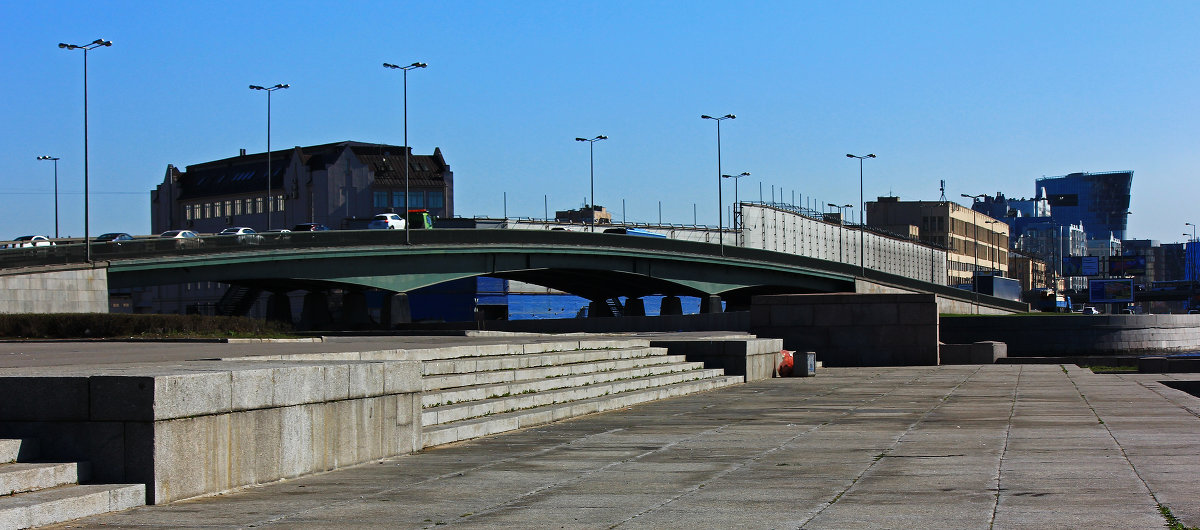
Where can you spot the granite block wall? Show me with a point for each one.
(852, 329)
(80, 290)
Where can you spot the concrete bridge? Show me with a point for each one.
(595, 266)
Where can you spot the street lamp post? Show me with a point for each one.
(55, 159)
(720, 199)
(735, 178)
(994, 254)
(1193, 230)
(268, 90)
(86, 48)
(862, 232)
(407, 149)
(592, 172)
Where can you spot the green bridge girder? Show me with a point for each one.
(594, 266)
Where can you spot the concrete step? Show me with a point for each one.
(482, 426)
(498, 399)
(19, 477)
(12, 450)
(532, 360)
(457, 395)
(55, 505)
(452, 381)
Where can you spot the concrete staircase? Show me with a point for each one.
(41, 493)
(473, 396)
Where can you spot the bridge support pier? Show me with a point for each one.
(671, 305)
(315, 313)
(597, 308)
(635, 307)
(354, 310)
(395, 310)
(711, 304)
(279, 308)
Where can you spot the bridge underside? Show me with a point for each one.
(591, 275)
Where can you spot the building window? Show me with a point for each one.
(207, 210)
(381, 199)
(258, 205)
(237, 207)
(417, 200)
(437, 200)
(398, 199)
(279, 203)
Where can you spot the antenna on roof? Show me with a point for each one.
(943, 189)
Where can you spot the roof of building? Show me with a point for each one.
(246, 174)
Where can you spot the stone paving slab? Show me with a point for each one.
(1006, 446)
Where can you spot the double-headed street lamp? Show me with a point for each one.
(592, 167)
(862, 230)
(735, 178)
(1193, 230)
(405, 69)
(268, 90)
(720, 199)
(86, 48)
(841, 209)
(841, 221)
(55, 159)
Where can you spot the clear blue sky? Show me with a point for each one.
(986, 95)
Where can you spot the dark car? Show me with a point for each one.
(113, 237)
(309, 227)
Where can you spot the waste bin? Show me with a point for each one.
(805, 364)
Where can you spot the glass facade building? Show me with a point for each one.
(1098, 200)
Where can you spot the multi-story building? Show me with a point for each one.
(338, 185)
(975, 241)
(1100, 201)
(1029, 270)
(1052, 243)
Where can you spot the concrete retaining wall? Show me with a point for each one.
(852, 329)
(67, 290)
(945, 305)
(1063, 335)
(752, 358)
(208, 426)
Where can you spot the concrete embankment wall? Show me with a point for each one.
(204, 427)
(852, 329)
(1077, 335)
(65, 290)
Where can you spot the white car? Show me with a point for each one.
(236, 231)
(31, 241)
(178, 234)
(387, 221)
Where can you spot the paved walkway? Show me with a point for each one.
(1003, 446)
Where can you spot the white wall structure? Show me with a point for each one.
(781, 230)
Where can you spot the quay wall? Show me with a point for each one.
(1077, 335)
